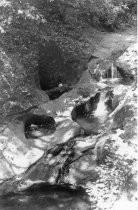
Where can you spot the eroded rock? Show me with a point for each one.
(16, 92)
(127, 63)
(38, 125)
(66, 156)
(92, 114)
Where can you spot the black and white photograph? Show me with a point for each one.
(68, 105)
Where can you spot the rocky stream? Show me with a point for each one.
(76, 150)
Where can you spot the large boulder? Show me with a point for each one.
(16, 91)
(127, 63)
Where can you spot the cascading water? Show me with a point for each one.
(110, 76)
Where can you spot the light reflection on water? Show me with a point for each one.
(116, 81)
(43, 197)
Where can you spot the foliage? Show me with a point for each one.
(107, 13)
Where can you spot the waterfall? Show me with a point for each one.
(113, 71)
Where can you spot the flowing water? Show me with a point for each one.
(43, 197)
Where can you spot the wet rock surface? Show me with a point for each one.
(92, 114)
(103, 164)
(35, 125)
(69, 156)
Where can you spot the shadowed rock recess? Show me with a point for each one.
(92, 114)
(68, 114)
(35, 124)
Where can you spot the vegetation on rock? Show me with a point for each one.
(46, 46)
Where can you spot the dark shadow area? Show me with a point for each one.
(125, 75)
(36, 125)
(85, 108)
(46, 197)
(92, 57)
(58, 91)
(108, 74)
(89, 116)
(59, 69)
(50, 65)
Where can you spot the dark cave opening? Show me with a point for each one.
(50, 66)
(52, 70)
(58, 91)
(37, 125)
